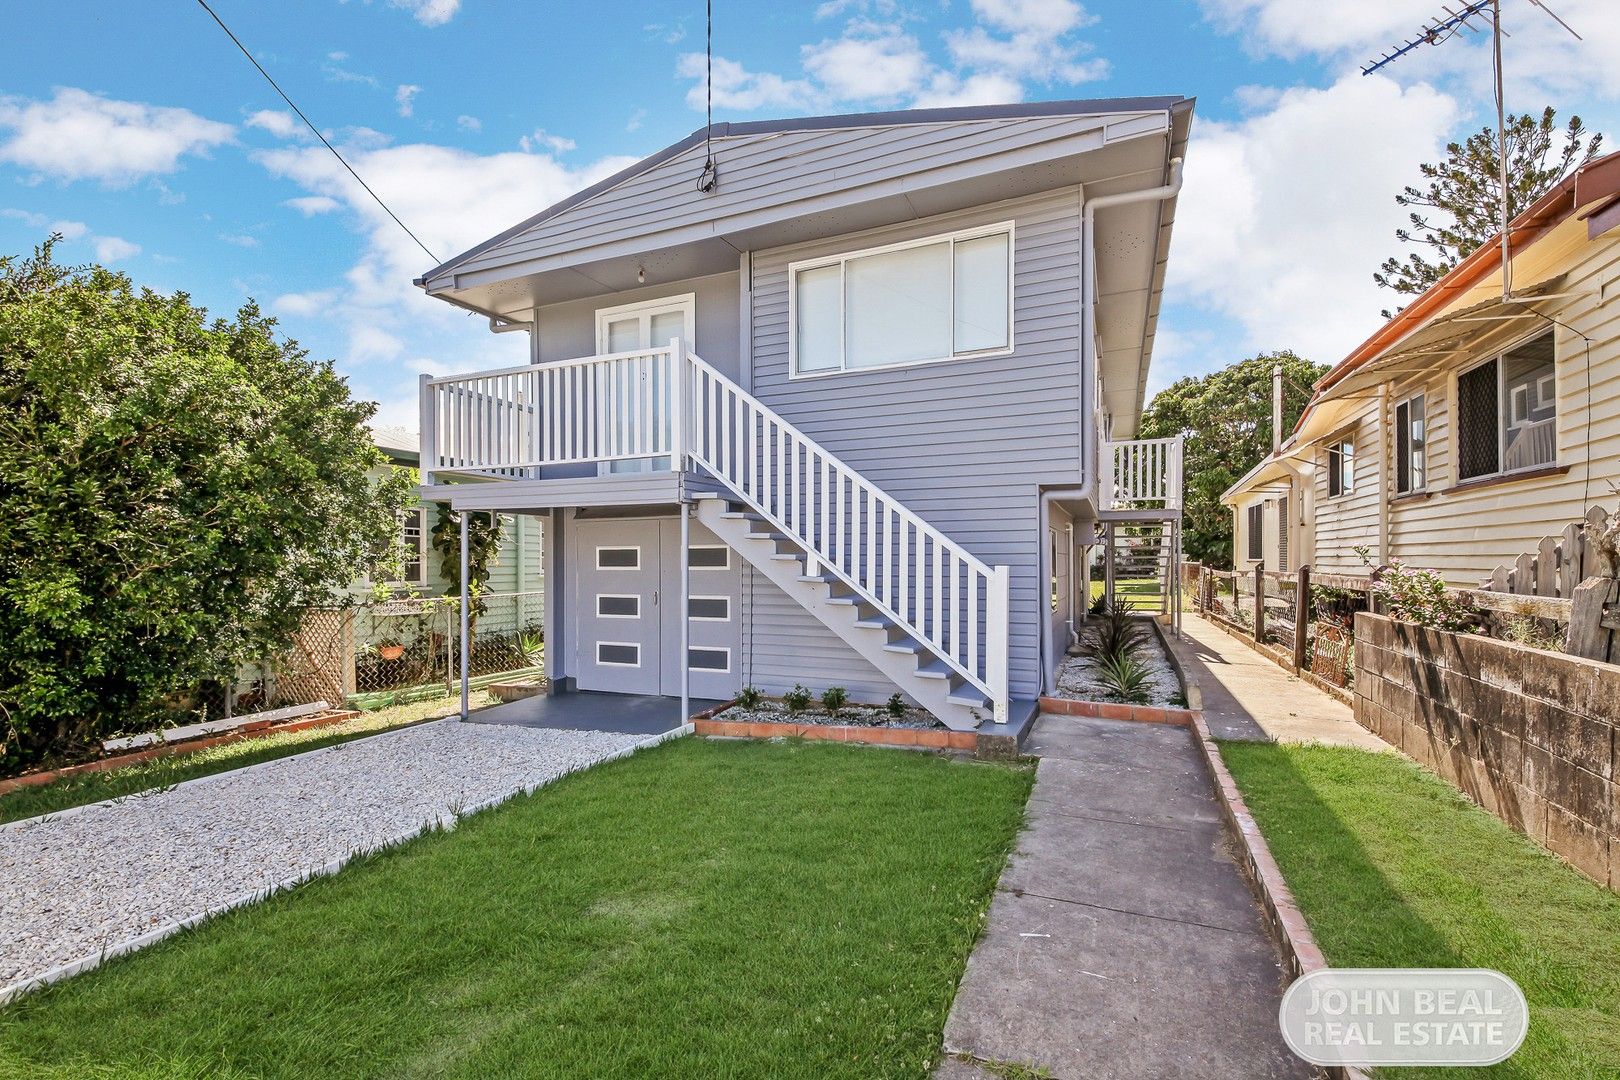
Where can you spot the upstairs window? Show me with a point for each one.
(942, 298)
(1409, 445)
(1341, 467)
(1507, 412)
(1257, 532)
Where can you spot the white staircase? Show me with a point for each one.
(916, 604)
(913, 602)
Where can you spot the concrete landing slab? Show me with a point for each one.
(592, 710)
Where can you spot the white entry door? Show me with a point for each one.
(651, 324)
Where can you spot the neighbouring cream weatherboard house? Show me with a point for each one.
(1468, 427)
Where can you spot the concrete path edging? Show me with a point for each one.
(1286, 921)
(151, 937)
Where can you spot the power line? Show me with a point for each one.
(238, 43)
(709, 178)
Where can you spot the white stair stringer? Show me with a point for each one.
(907, 662)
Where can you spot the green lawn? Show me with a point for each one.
(1395, 868)
(706, 908)
(161, 772)
(1142, 590)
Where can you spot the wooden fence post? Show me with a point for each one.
(1594, 618)
(1302, 616)
(1260, 603)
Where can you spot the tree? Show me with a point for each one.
(1226, 417)
(172, 492)
(1465, 192)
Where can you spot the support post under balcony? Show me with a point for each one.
(998, 617)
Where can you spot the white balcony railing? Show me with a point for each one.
(1143, 474)
(513, 422)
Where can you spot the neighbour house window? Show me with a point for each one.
(1409, 445)
(1257, 526)
(935, 299)
(1507, 412)
(1341, 478)
(1282, 534)
(412, 547)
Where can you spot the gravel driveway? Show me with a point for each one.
(105, 877)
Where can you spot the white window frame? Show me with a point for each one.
(709, 618)
(1395, 443)
(422, 545)
(1502, 426)
(841, 259)
(636, 645)
(685, 303)
(690, 649)
(1335, 446)
(723, 548)
(618, 596)
(618, 547)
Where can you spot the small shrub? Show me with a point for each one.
(1126, 676)
(1531, 631)
(1119, 635)
(833, 699)
(749, 697)
(532, 646)
(797, 699)
(1098, 605)
(1420, 596)
(895, 707)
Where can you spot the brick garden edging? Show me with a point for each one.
(928, 738)
(247, 731)
(1283, 917)
(1111, 710)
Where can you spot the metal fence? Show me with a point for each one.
(406, 648)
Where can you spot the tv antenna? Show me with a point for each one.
(1443, 28)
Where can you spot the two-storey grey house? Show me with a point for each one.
(882, 373)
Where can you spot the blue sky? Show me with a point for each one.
(152, 145)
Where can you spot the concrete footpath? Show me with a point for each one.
(1246, 696)
(1123, 940)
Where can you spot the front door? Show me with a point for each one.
(629, 609)
(651, 324)
(618, 605)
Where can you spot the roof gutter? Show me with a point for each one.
(1088, 292)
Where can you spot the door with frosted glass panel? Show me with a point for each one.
(650, 325)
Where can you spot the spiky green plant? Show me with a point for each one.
(1126, 676)
(1119, 634)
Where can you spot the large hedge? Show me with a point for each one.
(172, 491)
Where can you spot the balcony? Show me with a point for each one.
(1143, 477)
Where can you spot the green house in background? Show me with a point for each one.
(517, 565)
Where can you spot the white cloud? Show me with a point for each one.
(369, 343)
(879, 63)
(242, 240)
(283, 125)
(869, 63)
(310, 205)
(469, 123)
(77, 135)
(557, 144)
(110, 249)
(1286, 214)
(1542, 64)
(430, 12)
(405, 98)
(69, 230)
(636, 120)
(305, 304)
(735, 87)
(451, 198)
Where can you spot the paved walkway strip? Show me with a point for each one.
(1246, 696)
(102, 879)
(1123, 940)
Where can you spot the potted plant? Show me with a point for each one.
(390, 648)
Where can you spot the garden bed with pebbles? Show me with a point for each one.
(98, 877)
(772, 711)
(1079, 678)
